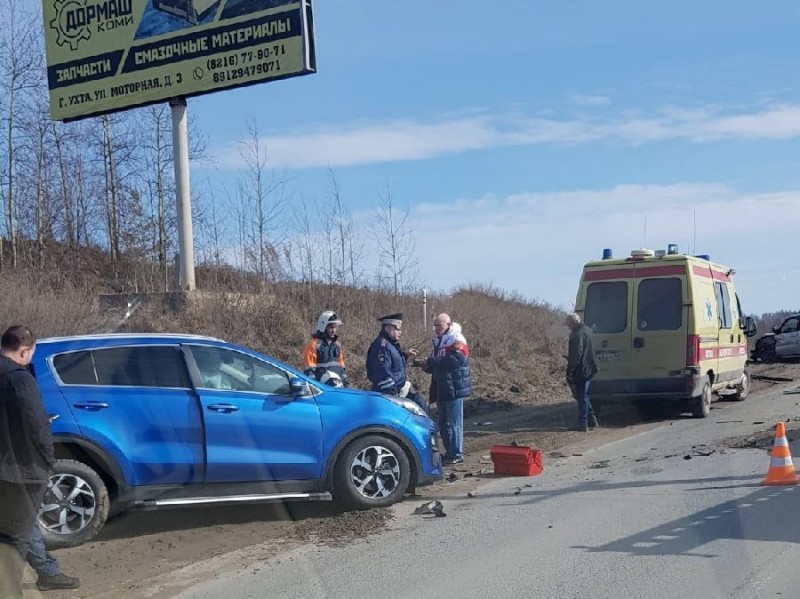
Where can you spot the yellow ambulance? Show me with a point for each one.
(667, 326)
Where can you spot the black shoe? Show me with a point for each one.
(593, 421)
(451, 461)
(59, 581)
(581, 428)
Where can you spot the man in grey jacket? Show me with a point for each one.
(581, 367)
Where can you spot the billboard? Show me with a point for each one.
(106, 55)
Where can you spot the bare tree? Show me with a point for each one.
(262, 201)
(344, 241)
(397, 261)
(306, 242)
(156, 147)
(213, 227)
(20, 72)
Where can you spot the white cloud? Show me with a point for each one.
(537, 243)
(366, 143)
(590, 100)
(782, 122)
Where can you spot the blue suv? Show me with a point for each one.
(159, 420)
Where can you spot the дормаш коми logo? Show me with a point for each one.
(77, 20)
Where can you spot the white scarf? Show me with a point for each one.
(440, 345)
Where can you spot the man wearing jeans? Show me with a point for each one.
(451, 384)
(48, 570)
(581, 367)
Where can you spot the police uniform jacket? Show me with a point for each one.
(386, 365)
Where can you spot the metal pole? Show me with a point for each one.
(180, 152)
(424, 309)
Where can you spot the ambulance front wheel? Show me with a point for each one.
(742, 388)
(701, 405)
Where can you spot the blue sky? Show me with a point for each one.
(525, 136)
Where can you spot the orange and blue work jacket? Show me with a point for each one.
(323, 354)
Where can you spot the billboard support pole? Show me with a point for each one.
(180, 153)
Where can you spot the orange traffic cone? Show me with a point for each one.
(781, 470)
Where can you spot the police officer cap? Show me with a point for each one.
(393, 319)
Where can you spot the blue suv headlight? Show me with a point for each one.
(409, 405)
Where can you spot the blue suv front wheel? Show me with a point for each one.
(372, 471)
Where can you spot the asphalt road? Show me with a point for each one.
(633, 518)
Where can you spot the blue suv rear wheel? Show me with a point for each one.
(75, 506)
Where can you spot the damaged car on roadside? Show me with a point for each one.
(160, 420)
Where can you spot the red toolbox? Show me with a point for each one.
(511, 460)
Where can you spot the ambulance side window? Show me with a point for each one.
(606, 308)
(723, 306)
(659, 306)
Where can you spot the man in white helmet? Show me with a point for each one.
(323, 353)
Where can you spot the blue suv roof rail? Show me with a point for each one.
(129, 336)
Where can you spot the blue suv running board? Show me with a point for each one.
(233, 499)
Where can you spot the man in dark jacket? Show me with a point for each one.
(386, 361)
(26, 453)
(451, 383)
(581, 367)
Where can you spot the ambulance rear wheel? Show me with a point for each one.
(701, 405)
(743, 388)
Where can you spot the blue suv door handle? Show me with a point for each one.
(92, 406)
(225, 408)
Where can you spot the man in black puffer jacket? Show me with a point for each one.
(26, 455)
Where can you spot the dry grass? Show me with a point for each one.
(49, 305)
(517, 346)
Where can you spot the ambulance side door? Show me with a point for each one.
(661, 321)
(727, 361)
(607, 310)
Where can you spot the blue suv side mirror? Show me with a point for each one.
(299, 387)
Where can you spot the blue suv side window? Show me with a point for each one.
(227, 369)
(140, 366)
(75, 368)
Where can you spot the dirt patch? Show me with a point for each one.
(138, 551)
(764, 439)
(765, 376)
(339, 530)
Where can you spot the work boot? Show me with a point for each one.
(59, 581)
(581, 427)
(593, 421)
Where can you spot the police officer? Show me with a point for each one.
(386, 361)
(322, 357)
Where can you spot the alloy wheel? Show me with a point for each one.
(68, 506)
(375, 472)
